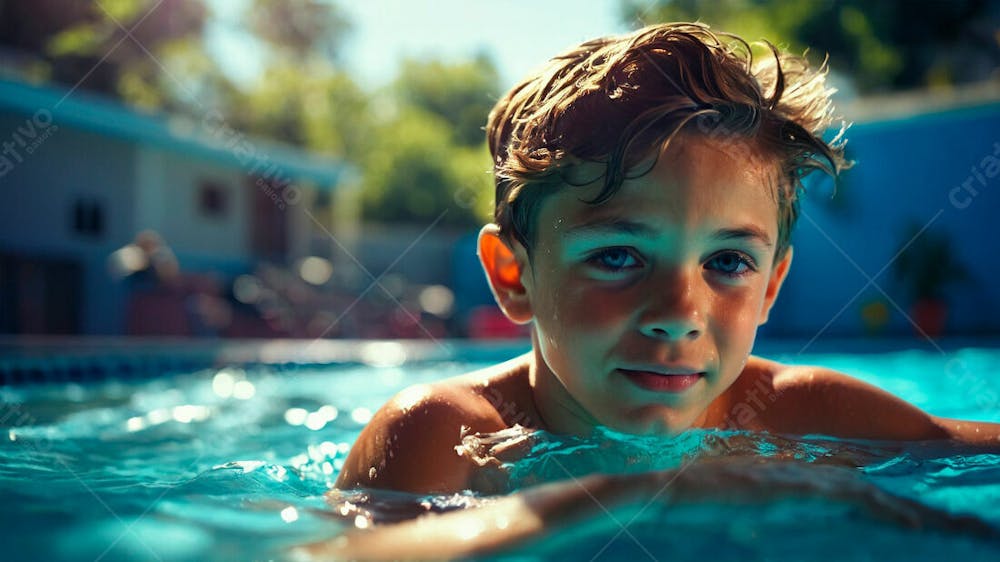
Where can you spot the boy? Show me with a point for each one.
(645, 193)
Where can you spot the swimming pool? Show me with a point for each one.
(232, 463)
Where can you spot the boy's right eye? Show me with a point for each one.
(614, 259)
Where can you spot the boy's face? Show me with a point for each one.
(672, 275)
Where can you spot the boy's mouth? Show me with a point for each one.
(665, 380)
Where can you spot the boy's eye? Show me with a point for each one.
(614, 259)
(732, 264)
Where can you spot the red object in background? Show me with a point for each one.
(157, 312)
(488, 322)
(929, 315)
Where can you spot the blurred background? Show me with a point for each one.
(317, 169)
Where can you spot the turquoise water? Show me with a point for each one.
(232, 464)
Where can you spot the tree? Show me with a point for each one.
(313, 106)
(884, 45)
(81, 43)
(302, 96)
(300, 28)
(462, 94)
(429, 154)
(416, 172)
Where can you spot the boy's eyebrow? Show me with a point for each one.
(746, 232)
(640, 229)
(612, 226)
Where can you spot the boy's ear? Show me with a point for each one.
(504, 266)
(778, 274)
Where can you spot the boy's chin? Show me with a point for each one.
(660, 424)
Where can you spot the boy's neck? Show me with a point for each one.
(558, 411)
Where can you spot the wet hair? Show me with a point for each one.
(618, 101)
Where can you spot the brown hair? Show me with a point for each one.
(617, 101)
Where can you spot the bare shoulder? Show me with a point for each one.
(409, 444)
(807, 399)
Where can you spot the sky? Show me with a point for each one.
(518, 34)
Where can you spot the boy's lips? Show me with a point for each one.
(665, 368)
(664, 378)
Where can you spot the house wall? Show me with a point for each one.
(137, 188)
(141, 172)
(168, 188)
(40, 189)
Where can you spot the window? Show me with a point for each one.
(213, 199)
(88, 217)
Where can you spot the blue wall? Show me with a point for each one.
(906, 170)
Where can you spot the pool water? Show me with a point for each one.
(233, 463)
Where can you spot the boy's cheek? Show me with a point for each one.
(581, 329)
(584, 311)
(736, 335)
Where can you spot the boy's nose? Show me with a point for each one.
(673, 311)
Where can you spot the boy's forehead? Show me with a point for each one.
(732, 159)
(696, 181)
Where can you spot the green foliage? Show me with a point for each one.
(83, 44)
(335, 117)
(125, 10)
(416, 171)
(302, 28)
(462, 94)
(317, 107)
(884, 45)
(429, 155)
(751, 19)
(77, 39)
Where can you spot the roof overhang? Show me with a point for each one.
(209, 138)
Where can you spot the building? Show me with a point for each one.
(83, 175)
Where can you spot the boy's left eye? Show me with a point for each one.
(733, 264)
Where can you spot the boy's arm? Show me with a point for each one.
(601, 499)
(971, 432)
(823, 401)
(409, 445)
